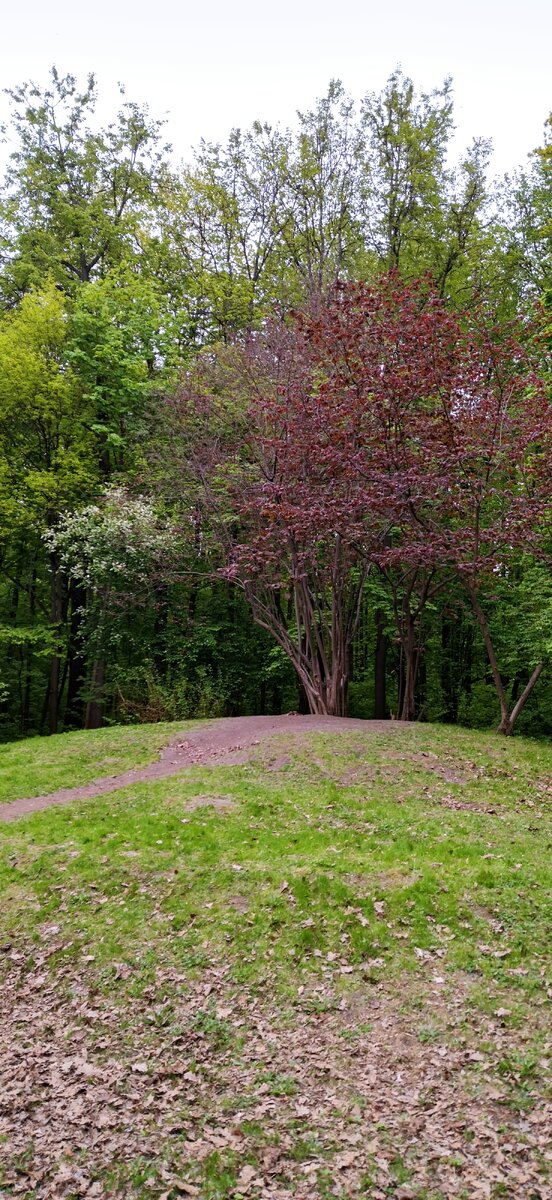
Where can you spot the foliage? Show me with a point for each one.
(45, 443)
(118, 272)
(376, 430)
(112, 547)
(75, 197)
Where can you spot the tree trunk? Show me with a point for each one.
(380, 670)
(506, 725)
(76, 664)
(450, 699)
(55, 662)
(335, 700)
(335, 676)
(407, 710)
(507, 718)
(94, 708)
(319, 645)
(26, 702)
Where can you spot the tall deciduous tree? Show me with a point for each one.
(383, 352)
(530, 204)
(75, 196)
(47, 454)
(255, 436)
(418, 213)
(322, 236)
(493, 451)
(113, 551)
(377, 430)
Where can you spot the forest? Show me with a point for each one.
(275, 424)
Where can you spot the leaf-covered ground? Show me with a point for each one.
(323, 973)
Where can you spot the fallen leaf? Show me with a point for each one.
(247, 1174)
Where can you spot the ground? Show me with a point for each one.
(289, 958)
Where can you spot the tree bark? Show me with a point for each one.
(317, 634)
(506, 725)
(507, 718)
(55, 662)
(74, 707)
(94, 708)
(380, 670)
(411, 658)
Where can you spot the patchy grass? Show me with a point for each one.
(39, 766)
(336, 983)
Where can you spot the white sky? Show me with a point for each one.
(213, 65)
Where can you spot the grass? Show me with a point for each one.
(38, 766)
(304, 872)
(415, 862)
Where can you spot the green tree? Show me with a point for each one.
(322, 237)
(75, 198)
(120, 349)
(419, 214)
(47, 465)
(220, 223)
(112, 551)
(46, 441)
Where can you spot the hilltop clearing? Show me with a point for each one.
(313, 961)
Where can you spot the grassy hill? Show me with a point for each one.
(41, 765)
(325, 973)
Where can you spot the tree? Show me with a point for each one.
(493, 452)
(321, 230)
(417, 214)
(254, 434)
(319, 422)
(527, 228)
(119, 347)
(464, 426)
(74, 198)
(262, 221)
(75, 218)
(112, 551)
(405, 176)
(377, 430)
(47, 455)
(385, 353)
(222, 223)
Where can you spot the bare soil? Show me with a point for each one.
(227, 741)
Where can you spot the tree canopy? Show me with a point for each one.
(319, 357)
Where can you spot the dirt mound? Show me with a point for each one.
(228, 740)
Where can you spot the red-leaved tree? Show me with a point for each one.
(375, 431)
(457, 426)
(492, 448)
(293, 524)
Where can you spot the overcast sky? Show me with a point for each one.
(211, 66)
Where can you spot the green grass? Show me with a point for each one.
(38, 766)
(339, 871)
(304, 873)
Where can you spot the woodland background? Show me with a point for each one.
(123, 282)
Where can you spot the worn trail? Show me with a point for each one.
(227, 740)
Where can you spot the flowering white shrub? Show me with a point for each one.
(113, 546)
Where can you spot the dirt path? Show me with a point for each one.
(226, 741)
